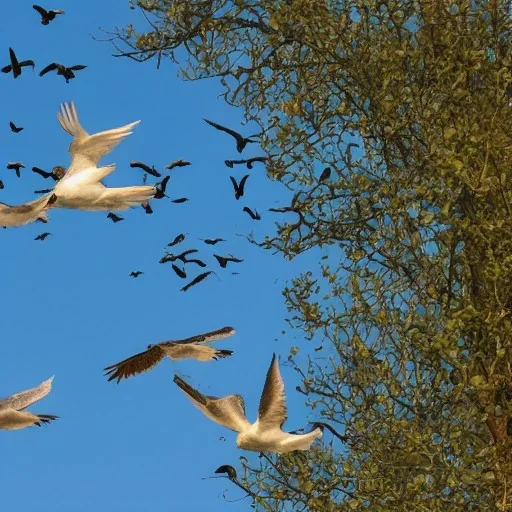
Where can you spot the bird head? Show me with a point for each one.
(58, 172)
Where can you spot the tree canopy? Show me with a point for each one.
(408, 104)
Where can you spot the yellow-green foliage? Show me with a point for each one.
(408, 103)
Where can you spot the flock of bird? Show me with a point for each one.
(80, 186)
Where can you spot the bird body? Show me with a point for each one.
(47, 16)
(265, 434)
(14, 128)
(81, 186)
(12, 415)
(15, 66)
(66, 72)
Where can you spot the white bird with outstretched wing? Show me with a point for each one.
(12, 414)
(81, 186)
(265, 434)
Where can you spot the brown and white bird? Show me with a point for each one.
(47, 16)
(12, 414)
(190, 348)
(81, 187)
(265, 434)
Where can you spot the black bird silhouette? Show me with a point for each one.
(43, 191)
(147, 208)
(254, 215)
(249, 162)
(177, 240)
(1, 185)
(182, 256)
(197, 262)
(115, 218)
(66, 72)
(241, 142)
(56, 173)
(136, 273)
(180, 200)
(196, 280)
(179, 272)
(239, 187)
(177, 163)
(14, 128)
(150, 170)
(16, 66)
(16, 166)
(224, 260)
(47, 16)
(42, 236)
(212, 241)
(160, 188)
(229, 470)
(326, 173)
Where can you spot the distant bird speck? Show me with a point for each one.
(241, 141)
(136, 273)
(14, 128)
(66, 72)
(115, 218)
(177, 163)
(42, 236)
(254, 215)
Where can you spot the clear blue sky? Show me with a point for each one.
(70, 309)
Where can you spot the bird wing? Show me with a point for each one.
(78, 67)
(40, 10)
(43, 173)
(140, 165)
(228, 411)
(23, 399)
(49, 68)
(86, 150)
(136, 364)
(235, 185)
(241, 185)
(272, 410)
(208, 337)
(234, 134)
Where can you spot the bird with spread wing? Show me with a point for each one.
(190, 348)
(81, 186)
(265, 434)
(12, 413)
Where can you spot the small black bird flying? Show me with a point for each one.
(44, 191)
(177, 163)
(1, 185)
(255, 215)
(197, 262)
(224, 260)
(229, 470)
(147, 208)
(136, 273)
(16, 166)
(66, 72)
(179, 272)
(180, 200)
(177, 240)
(160, 188)
(239, 187)
(249, 162)
(42, 236)
(56, 173)
(196, 280)
(212, 241)
(14, 128)
(16, 66)
(174, 257)
(241, 142)
(150, 170)
(115, 218)
(326, 173)
(47, 16)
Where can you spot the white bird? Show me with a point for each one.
(11, 216)
(12, 416)
(81, 186)
(265, 435)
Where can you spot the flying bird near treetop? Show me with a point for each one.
(47, 16)
(189, 348)
(81, 187)
(265, 434)
(241, 141)
(66, 72)
(12, 414)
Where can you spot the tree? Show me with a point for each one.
(408, 104)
